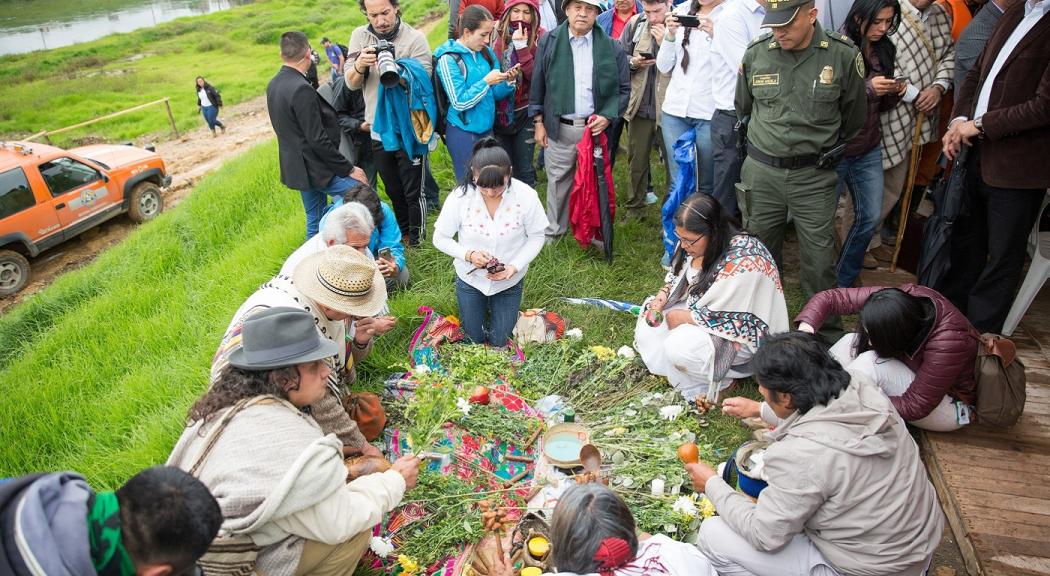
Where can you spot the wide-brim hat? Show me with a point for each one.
(342, 279)
(597, 3)
(280, 337)
(781, 12)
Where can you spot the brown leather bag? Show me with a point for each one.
(1000, 381)
(366, 409)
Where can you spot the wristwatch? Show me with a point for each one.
(978, 123)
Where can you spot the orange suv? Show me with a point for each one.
(48, 195)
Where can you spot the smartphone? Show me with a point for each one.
(647, 55)
(687, 21)
(901, 80)
(386, 254)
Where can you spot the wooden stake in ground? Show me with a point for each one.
(913, 170)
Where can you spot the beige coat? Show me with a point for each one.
(636, 39)
(848, 475)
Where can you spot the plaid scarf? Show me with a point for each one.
(107, 548)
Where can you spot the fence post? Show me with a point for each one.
(171, 117)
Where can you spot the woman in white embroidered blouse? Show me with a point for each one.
(498, 225)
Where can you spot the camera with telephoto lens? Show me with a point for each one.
(389, 74)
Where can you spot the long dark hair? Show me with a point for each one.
(585, 515)
(701, 214)
(471, 19)
(892, 323)
(235, 384)
(859, 19)
(798, 363)
(694, 7)
(492, 163)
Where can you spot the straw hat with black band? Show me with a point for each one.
(343, 279)
(781, 12)
(280, 337)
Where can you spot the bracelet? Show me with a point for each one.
(362, 346)
(469, 254)
(355, 68)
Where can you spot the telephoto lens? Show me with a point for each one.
(389, 75)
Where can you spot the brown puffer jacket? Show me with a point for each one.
(944, 362)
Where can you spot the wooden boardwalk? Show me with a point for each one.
(994, 484)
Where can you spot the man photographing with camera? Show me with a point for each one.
(373, 51)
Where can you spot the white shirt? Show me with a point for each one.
(1034, 10)
(548, 19)
(689, 94)
(203, 95)
(514, 235)
(583, 64)
(739, 24)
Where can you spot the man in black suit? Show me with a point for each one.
(308, 133)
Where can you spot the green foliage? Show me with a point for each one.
(235, 49)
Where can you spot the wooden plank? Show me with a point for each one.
(963, 449)
(994, 545)
(1029, 510)
(993, 480)
(951, 510)
(981, 520)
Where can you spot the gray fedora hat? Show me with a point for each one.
(280, 337)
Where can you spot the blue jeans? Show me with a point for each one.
(314, 201)
(862, 175)
(673, 127)
(475, 307)
(211, 116)
(522, 147)
(461, 146)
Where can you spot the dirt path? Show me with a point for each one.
(188, 159)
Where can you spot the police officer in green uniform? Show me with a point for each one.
(803, 88)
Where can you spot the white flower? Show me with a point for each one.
(575, 333)
(625, 352)
(685, 505)
(381, 546)
(671, 412)
(463, 405)
(420, 369)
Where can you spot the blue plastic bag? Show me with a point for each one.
(684, 185)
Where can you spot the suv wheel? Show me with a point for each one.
(14, 272)
(146, 202)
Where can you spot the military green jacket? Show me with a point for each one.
(799, 101)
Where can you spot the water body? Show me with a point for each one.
(28, 25)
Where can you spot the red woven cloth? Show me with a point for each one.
(584, 214)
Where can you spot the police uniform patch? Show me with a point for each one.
(765, 80)
(827, 75)
(859, 61)
(824, 44)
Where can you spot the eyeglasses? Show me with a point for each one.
(690, 243)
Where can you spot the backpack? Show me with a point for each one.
(440, 96)
(1000, 381)
(345, 50)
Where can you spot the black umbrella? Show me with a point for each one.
(604, 210)
(935, 259)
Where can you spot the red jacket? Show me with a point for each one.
(944, 362)
(584, 214)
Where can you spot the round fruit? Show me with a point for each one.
(688, 453)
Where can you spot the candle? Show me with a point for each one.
(658, 487)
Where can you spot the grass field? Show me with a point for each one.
(235, 49)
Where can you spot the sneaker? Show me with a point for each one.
(870, 263)
(883, 253)
(223, 127)
(651, 198)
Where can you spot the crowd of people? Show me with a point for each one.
(782, 123)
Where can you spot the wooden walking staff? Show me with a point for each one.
(913, 170)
